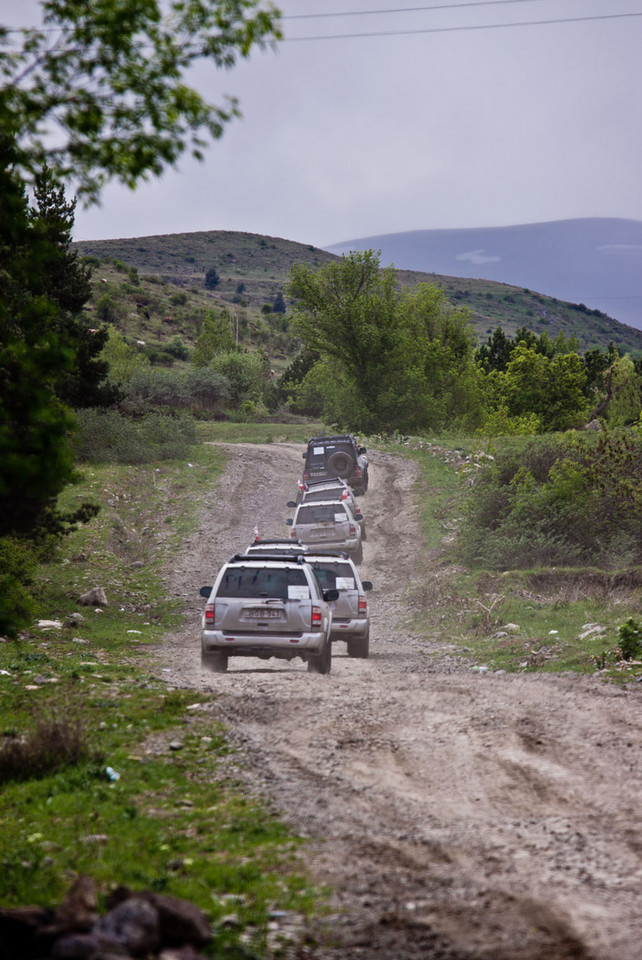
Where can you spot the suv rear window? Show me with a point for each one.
(328, 575)
(320, 513)
(255, 582)
(328, 494)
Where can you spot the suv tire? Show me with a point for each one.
(322, 663)
(341, 464)
(215, 662)
(359, 647)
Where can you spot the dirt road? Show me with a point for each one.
(456, 814)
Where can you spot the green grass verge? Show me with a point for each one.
(228, 431)
(549, 620)
(170, 814)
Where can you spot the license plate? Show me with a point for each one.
(323, 533)
(263, 613)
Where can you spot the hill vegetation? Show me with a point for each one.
(158, 285)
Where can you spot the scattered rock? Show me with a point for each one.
(95, 597)
(73, 620)
(146, 924)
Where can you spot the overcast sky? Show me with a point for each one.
(439, 127)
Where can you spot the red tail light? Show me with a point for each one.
(353, 530)
(363, 604)
(306, 476)
(357, 472)
(293, 533)
(316, 617)
(209, 615)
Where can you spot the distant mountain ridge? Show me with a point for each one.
(594, 261)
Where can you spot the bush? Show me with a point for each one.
(630, 636)
(107, 309)
(199, 390)
(564, 501)
(109, 436)
(246, 374)
(53, 745)
(176, 348)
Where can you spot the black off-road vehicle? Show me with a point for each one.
(340, 456)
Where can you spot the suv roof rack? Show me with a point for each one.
(330, 555)
(335, 480)
(263, 557)
(338, 436)
(270, 541)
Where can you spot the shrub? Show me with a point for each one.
(199, 389)
(177, 348)
(107, 309)
(53, 745)
(109, 436)
(564, 501)
(630, 636)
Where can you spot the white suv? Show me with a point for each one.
(267, 606)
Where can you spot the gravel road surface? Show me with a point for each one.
(456, 815)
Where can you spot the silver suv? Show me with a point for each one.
(329, 490)
(350, 614)
(271, 606)
(328, 525)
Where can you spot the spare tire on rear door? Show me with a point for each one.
(340, 464)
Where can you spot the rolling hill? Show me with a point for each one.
(597, 261)
(169, 296)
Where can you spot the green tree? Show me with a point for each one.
(495, 353)
(66, 281)
(212, 279)
(346, 311)
(279, 305)
(215, 337)
(401, 359)
(550, 388)
(35, 453)
(123, 360)
(99, 92)
(246, 373)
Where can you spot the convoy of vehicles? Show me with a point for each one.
(293, 597)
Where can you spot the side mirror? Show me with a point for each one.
(358, 516)
(205, 592)
(304, 455)
(289, 521)
(331, 595)
(366, 585)
(362, 450)
(291, 503)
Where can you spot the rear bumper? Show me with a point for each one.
(349, 629)
(257, 644)
(333, 546)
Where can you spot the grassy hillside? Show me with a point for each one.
(158, 284)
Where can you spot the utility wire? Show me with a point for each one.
(369, 13)
(470, 27)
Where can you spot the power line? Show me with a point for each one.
(470, 27)
(369, 13)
